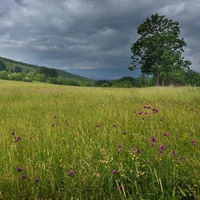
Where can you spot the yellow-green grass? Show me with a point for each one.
(92, 143)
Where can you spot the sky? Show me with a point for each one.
(91, 38)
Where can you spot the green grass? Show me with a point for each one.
(75, 128)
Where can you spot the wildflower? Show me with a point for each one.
(165, 135)
(138, 151)
(98, 125)
(148, 107)
(145, 106)
(153, 144)
(70, 172)
(153, 139)
(140, 112)
(12, 133)
(124, 133)
(161, 152)
(193, 142)
(146, 113)
(143, 118)
(162, 147)
(180, 159)
(23, 176)
(17, 139)
(154, 110)
(114, 125)
(114, 171)
(120, 145)
(174, 153)
(118, 151)
(19, 169)
(36, 180)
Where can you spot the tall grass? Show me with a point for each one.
(60, 142)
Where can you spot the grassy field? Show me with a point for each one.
(60, 142)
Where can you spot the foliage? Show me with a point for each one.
(159, 48)
(2, 66)
(61, 142)
(3, 75)
(33, 73)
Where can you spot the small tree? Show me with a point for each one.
(159, 48)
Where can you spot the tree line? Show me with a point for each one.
(41, 74)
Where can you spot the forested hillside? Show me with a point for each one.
(20, 71)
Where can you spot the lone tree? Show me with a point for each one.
(159, 50)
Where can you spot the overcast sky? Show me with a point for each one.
(89, 37)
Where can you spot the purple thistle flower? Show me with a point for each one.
(193, 142)
(145, 106)
(146, 113)
(23, 176)
(140, 112)
(154, 110)
(124, 133)
(114, 125)
(153, 144)
(36, 180)
(98, 125)
(70, 172)
(12, 133)
(165, 134)
(118, 151)
(153, 139)
(148, 107)
(17, 139)
(138, 151)
(19, 169)
(120, 145)
(114, 171)
(161, 152)
(162, 147)
(174, 153)
(180, 159)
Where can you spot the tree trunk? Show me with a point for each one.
(157, 78)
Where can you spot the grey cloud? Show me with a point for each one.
(82, 34)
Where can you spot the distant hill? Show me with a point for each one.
(13, 66)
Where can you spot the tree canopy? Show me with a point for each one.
(159, 49)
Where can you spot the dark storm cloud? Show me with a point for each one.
(88, 34)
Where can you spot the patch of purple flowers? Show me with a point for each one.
(138, 151)
(19, 169)
(36, 180)
(174, 153)
(154, 110)
(153, 139)
(70, 172)
(193, 142)
(165, 134)
(162, 147)
(114, 171)
(23, 176)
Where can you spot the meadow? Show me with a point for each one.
(65, 142)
